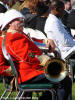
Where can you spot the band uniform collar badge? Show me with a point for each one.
(32, 54)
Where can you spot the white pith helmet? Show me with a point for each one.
(9, 16)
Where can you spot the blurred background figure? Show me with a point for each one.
(64, 18)
(67, 4)
(35, 14)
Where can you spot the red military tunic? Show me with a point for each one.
(20, 47)
(3, 65)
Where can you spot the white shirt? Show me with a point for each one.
(55, 30)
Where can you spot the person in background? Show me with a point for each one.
(67, 4)
(64, 18)
(66, 42)
(55, 31)
(71, 17)
(38, 17)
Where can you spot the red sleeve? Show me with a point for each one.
(3, 65)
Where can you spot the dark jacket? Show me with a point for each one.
(71, 19)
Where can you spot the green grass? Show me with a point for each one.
(73, 91)
(2, 88)
(14, 93)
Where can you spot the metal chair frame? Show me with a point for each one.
(71, 63)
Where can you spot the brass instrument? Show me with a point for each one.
(55, 68)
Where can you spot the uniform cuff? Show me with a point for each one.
(45, 41)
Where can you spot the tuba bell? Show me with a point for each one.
(55, 68)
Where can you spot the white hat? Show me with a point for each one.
(9, 16)
(1, 18)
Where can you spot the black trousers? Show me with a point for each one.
(63, 88)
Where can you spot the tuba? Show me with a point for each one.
(55, 68)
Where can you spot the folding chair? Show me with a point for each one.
(22, 88)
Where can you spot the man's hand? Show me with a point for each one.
(51, 45)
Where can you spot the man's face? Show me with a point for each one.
(17, 25)
(68, 6)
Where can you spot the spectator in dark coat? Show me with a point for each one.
(36, 17)
(71, 17)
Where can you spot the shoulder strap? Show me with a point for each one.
(4, 49)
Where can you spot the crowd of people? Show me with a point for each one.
(43, 21)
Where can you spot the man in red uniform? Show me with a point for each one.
(20, 47)
(24, 54)
(23, 51)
